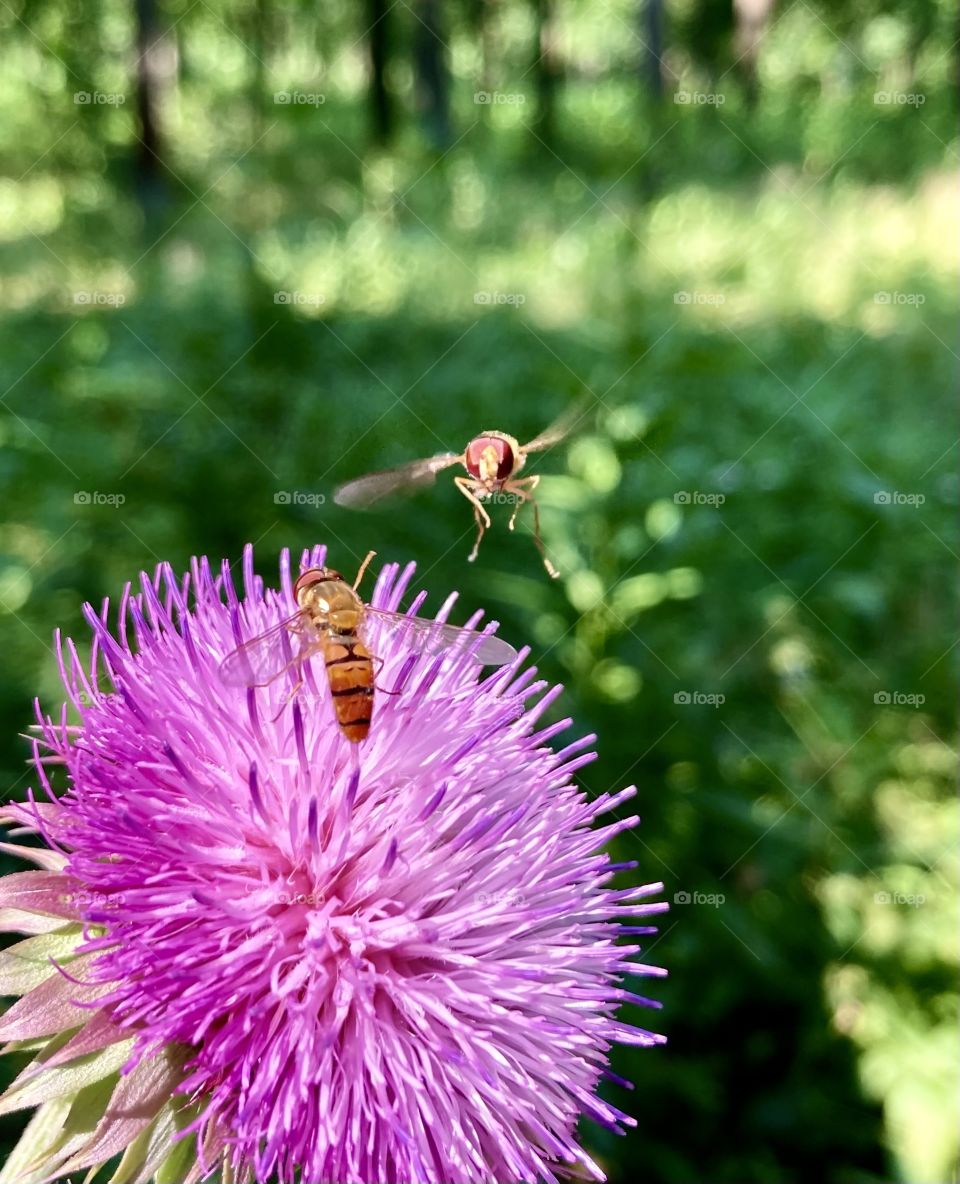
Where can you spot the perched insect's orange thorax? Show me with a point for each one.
(489, 458)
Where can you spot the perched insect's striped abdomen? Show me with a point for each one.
(350, 671)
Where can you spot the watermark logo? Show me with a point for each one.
(697, 497)
(898, 699)
(898, 98)
(84, 498)
(499, 497)
(508, 897)
(714, 899)
(913, 899)
(110, 299)
(699, 98)
(902, 298)
(698, 699)
(713, 298)
(514, 298)
(298, 98)
(294, 898)
(97, 900)
(313, 299)
(298, 497)
(497, 98)
(98, 98)
(885, 497)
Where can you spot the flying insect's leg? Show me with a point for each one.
(523, 489)
(363, 568)
(480, 515)
(467, 485)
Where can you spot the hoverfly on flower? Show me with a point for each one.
(330, 621)
(241, 963)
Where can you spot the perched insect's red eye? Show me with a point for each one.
(313, 576)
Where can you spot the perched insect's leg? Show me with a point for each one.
(288, 699)
(380, 663)
(467, 486)
(524, 492)
(363, 568)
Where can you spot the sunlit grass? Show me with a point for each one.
(865, 255)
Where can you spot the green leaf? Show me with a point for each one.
(154, 1152)
(26, 964)
(86, 1111)
(31, 1088)
(137, 1100)
(44, 1127)
(23, 921)
(175, 1167)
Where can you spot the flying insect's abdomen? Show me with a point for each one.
(350, 671)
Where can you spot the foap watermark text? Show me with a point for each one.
(713, 899)
(298, 497)
(699, 698)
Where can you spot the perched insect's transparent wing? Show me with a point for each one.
(262, 659)
(432, 638)
(364, 491)
(572, 418)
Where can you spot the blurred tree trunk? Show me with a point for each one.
(651, 33)
(156, 68)
(955, 58)
(149, 151)
(648, 175)
(480, 13)
(431, 70)
(546, 70)
(259, 48)
(751, 20)
(381, 107)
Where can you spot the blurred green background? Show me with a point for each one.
(251, 248)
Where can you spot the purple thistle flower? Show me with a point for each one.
(396, 961)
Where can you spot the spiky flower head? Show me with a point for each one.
(257, 944)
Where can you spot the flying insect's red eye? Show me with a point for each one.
(494, 446)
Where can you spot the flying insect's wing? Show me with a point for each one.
(433, 637)
(572, 418)
(262, 659)
(364, 491)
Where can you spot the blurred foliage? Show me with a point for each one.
(754, 292)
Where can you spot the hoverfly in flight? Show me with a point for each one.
(330, 621)
(492, 460)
